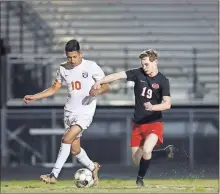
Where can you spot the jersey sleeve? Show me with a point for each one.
(166, 88)
(131, 74)
(59, 80)
(98, 73)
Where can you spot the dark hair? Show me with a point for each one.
(72, 45)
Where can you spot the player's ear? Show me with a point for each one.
(80, 53)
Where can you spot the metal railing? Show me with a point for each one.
(18, 137)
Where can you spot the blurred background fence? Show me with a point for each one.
(112, 33)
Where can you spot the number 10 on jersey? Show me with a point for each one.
(76, 85)
(147, 93)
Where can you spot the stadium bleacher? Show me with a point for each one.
(113, 33)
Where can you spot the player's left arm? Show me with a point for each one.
(166, 103)
(98, 75)
(165, 91)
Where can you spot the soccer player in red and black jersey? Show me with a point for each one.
(152, 96)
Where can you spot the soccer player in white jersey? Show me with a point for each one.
(79, 75)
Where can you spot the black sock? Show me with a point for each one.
(143, 167)
(159, 154)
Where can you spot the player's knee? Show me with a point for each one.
(147, 154)
(136, 160)
(75, 150)
(66, 140)
(137, 157)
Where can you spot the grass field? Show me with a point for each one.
(114, 186)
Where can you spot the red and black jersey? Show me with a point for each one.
(148, 89)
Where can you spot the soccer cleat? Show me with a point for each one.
(140, 182)
(48, 178)
(95, 173)
(170, 149)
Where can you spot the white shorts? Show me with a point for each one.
(83, 120)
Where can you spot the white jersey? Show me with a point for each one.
(79, 81)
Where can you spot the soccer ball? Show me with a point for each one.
(83, 178)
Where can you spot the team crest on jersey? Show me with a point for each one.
(85, 74)
(155, 86)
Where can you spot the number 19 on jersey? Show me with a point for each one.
(147, 93)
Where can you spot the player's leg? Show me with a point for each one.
(83, 158)
(167, 152)
(81, 155)
(149, 144)
(136, 143)
(137, 153)
(64, 152)
(152, 134)
(84, 122)
(137, 149)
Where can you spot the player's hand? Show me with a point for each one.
(94, 92)
(29, 98)
(148, 106)
(97, 86)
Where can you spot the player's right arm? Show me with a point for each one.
(44, 94)
(49, 91)
(110, 78)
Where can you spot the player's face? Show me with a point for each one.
(74, 58)
(147, 65)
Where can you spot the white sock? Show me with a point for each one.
(84, 160)
(61, 158)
